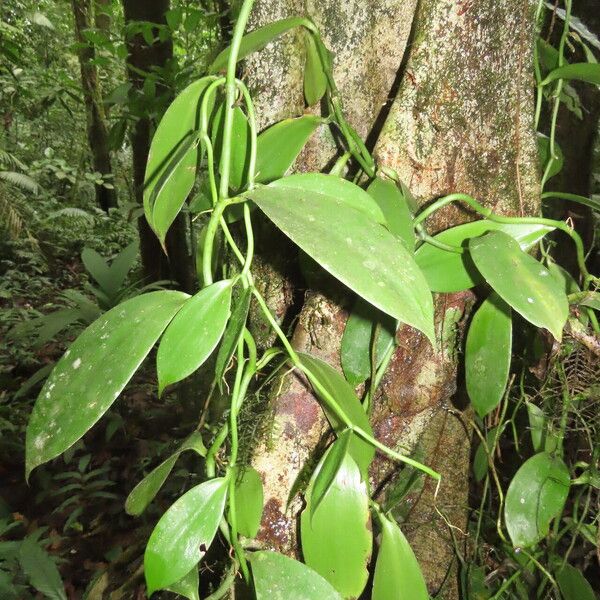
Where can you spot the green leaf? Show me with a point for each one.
(328, 469)
(233, 332)
(97, 267)
(193, 334)
(279, 145)
(93, 372)
(536, 494)
(589, 299)
(41, 570)
(315, 80)
(359, 252)
(334, 187)
(488, 354)
(397, 572)
(144, 492)
(240, 143)
(120, 267)
(337, 539)
(256, 40)
(537, 425)
(521, 281)
(573, 585)
(451, 272)
(177, 125)
(278, 577)
(358, 334)
(183, 534)
(361, 451)
(395, 208)
(187, 586)
(545, 155)
(586, 72)
(248, 501)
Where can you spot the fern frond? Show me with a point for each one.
(20, 180)
(76, 214)
(10, 218)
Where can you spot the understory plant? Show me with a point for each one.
(367, 234)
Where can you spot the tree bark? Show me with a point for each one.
(97, 132)
(142, 57)
(461, 120)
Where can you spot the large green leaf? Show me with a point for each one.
(315, 80)
(573, 585)
(334, 187)
(278, 577)
(174, 130)
(145, 491)
(193, 334)
(359, 252)
(93, 372)
(488, 354)
(536, 494)
(41, 570)
(545, 155)
(395, 208)
(361, 451)
(587, 72)
(183, 534)
(521, 281)
(278, 146)
(248, 501)
(447, 271)
(360, 328)
(255, 40)
(337, 539)
(397, 572)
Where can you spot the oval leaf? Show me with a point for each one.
(178, 123)
(536, 494)
(334, 187)
(452, 272)
(397, 572)
(361, 451)
(255, 40)
(337, 540)
(329, 468)
(573, 585)
(359, 252)
(144, 492)
(278, 146)
(357, 340)
(488, 354)
(248, 501)
(193, 334)
(277, 577)
(93, 372)
(521, 281)
(183, 534)
(315, 80)
(395, 208)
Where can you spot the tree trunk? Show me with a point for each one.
(461, 120)
(142, 57)
(97, 132)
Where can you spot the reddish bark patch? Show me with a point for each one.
(275, 526)
(302, 407)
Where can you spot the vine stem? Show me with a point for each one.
(489, 214)
(336, 408)
(230, 93)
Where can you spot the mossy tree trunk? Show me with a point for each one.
(97, 133)
(460, 120)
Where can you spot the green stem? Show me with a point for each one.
(230, 94)
(209, 240)
(332, 403)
